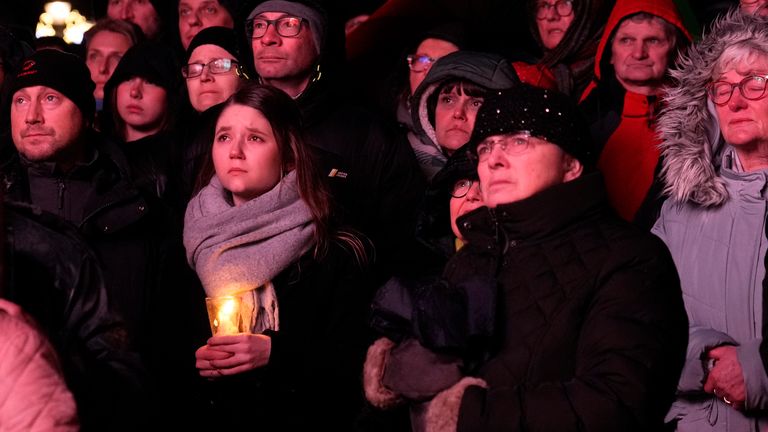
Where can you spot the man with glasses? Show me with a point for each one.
(714, 141)
(372, 171)
(638, 47)
(590, 329)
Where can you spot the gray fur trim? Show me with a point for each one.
(690, 136)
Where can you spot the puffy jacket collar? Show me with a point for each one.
(540, 216)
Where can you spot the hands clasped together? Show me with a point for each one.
(726, 379)
(232, 354)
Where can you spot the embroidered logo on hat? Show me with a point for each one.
(25, 68)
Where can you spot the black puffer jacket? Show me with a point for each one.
(591, 330)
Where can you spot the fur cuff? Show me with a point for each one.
(373, 371)
(443, 411)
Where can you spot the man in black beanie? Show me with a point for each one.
(62, 166)
(590, 331)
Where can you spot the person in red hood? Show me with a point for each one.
(639, 44)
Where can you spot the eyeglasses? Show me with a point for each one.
(561, 7)
(751, 88)
(510, 145)
(461, 188)
(287, 26)
(215, 66)
(419, 62)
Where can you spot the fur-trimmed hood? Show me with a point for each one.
(691, 142)
(486, 70)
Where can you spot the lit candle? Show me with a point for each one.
(227, 317)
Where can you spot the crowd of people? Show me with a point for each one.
(212, 218)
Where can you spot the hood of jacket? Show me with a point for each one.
(665, 9)
(486, 70)
(691, 142)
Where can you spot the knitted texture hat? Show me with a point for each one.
(63, 72)
(220, 36)
(546, 114)
(316, 19)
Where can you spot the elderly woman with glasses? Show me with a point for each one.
(714, 135)
(212, 73)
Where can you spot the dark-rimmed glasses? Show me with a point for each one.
(419, 62)
(510, 144)
(215, 66)
(751, 88)
(561, 7)
(461, 188)
(287, 26)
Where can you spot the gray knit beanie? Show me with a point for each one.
(317, 22)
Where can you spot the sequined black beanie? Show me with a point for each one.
(546, 114)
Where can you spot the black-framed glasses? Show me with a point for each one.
(561, 7)
(510, 144)
(461, 188)
(751, 88)
(215, 66)
(419, 62)
(287, 26)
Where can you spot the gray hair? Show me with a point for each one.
(745, 51)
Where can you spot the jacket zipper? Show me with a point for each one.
(62, 190)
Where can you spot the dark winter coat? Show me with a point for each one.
(312, 380)
(591, 330)
(370, 167)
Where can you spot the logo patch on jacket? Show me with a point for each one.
(336, 173)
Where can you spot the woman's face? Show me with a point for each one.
(208, 89)
(141, 105)
(552, 26)
(744, 122)
(455, 115)
(459, 206)
(246, 157)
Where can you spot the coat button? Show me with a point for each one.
(106, 228)
(467, 225)
(141, 208)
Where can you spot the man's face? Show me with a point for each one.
(209, 89)
(433, 49)
(759, 7)
(195, 15)
(639, 55)
(552, 26)
(522, 170)
(455, 115)
(278, 59)
(105, 49)
(139, 12)
(44, 123)
(743, 122)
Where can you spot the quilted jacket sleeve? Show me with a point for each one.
(33, 394)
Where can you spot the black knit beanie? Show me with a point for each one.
(151, 61)
(63, 72)
(546, 114)
(220, 36)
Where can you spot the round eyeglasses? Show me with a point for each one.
(461, 188)
(419, 62)
(215, 66)
(509, 144)
(561, 7)
(751, 88)
(287, 26)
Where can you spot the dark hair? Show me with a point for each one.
(284, 117)
(462, 87)
(118, 123)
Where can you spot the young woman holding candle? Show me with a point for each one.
(264, 221)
